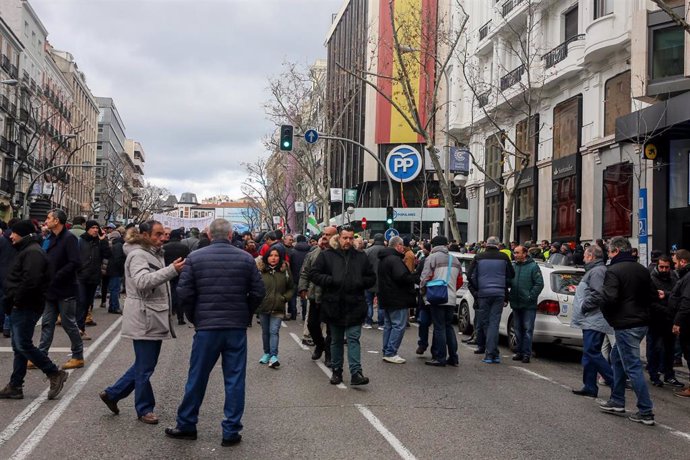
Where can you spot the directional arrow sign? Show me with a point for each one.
(311, 136)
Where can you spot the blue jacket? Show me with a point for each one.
(490, 273)
(220, 287)
(65, 262)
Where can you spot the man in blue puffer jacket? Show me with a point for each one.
(489, 276)
(221, 288)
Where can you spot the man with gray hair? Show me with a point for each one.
(221, 288)
(626, 296)
(587, 316)
(396, 295)
(489, 276)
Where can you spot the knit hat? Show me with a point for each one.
(439, 240)
(92, 223)
(23, 228)
(379, 238)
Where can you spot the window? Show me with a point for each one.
(618, 190)
(526, 140)
(602, 8)
(616, 101)
(570, 19)
(563, 220)
(493, 151)
(525, 204)
(492, 216)
(668, 47)
(678, 174)
(566, 128)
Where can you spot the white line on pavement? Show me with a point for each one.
(675, 432)
(47, 423)
(24, 415)
(390, 437)
(321, 365)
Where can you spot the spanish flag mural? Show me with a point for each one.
(416, 24)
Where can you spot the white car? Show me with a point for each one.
(554, 308)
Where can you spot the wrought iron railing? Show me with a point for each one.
(484, 30)
(483, 99)
(509, 6)
(513, 77)
(560, 52)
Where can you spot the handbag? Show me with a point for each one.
(437, 290)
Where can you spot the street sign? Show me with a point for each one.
(351, 195)
(299, 206)
(404, 163)
(364, 223)
(337, 195)
(276, 220)
(311, 136)
(390, 233)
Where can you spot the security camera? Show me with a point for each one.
(460, 180)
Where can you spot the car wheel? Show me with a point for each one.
(512, 339)
(464, 323)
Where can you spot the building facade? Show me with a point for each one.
(109, 204)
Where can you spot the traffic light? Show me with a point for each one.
(389, 216)
(286, 132)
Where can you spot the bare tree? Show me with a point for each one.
(265, 186)
(111, 189)
(150, 201)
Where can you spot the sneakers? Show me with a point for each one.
(397, 359)
(112, 405)
(645, 419)
(57, 382)
(264, 359)
(337, 377)
(673, 382)
(231, 441)
(683, 393)
(273, 363)
(612, 408)
(308, 342)
(367, 326)
(359, 379)
(73, 363)
(490, 360)
(380, 328)
(10, 392)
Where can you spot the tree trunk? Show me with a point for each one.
(508, 221)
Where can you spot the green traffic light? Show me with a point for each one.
(286, 144)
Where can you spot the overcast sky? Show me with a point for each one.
(189, 77)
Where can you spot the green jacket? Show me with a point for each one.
(279, 288)
(526, 285)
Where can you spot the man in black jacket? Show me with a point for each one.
(7, 253)
(115, 270)
(343, 274)
(627, 293)
(297, 255)
(396, 296)
(173, 250)
(93, 249)
(25, 289)
(62, 248)
(679, 304)
(372, 253)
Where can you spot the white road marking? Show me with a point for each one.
(675, 432)
(24, 415)
(415, 324)
(539, 376)
(52, 350)
(388, 436)
(373, 351)
(30, 443)
(321, 365)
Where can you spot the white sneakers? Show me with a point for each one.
(397, 359)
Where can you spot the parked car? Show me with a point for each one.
(462, 314)
(554, 308)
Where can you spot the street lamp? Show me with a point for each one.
(25, 206)
(350, 211)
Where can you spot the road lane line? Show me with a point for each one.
(30, 443)
(388, 436)
(675, 432)
(24, 415)
(321, 365)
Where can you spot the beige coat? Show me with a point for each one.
(147, 312)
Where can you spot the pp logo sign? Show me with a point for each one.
(404, 163)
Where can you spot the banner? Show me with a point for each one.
(312, 225)
(178, 222)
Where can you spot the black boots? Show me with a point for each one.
(337, 377)
(359, 379)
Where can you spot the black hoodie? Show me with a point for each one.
(28, 277)
(396, 282)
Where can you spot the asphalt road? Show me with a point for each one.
(407, 411)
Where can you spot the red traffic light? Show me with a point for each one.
(364, 223)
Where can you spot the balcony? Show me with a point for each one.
(5, 63)
(13, 110)
(483, 99)
(512, 78)
(509, 6)
(25, 77)
(560, 52)
(484, 31)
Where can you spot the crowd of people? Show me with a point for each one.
(338, 284)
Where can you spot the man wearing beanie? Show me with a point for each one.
(440, 265)
(489, 276)
(25, 289)
(93, 248)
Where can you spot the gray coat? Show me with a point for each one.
(373, 256)
(304, 282)
(586, 313)
(147, 311)
(436, 268)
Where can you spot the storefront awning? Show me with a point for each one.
(670, 118)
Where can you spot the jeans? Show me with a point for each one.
(138, 377)
(67, 309)
(231, 346)
(444, 335)
(292, 305)
(523, 322)
(23, 324)
(114, 285)
(352, 334)
(314, 327)
(491, 308)
(87, 292)
(270, 329)
(660, 351)
(593, 362)
(479, 335)
(369, 297)
(625, 360)
(424, 321)
(393, 330)
(105, 282)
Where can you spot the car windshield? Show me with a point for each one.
(565, 282)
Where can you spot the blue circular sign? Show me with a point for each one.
(311, 136)
(404, 163)
(390, 233)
